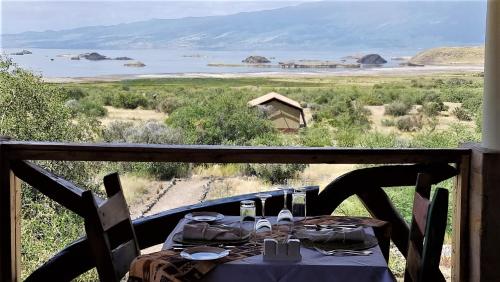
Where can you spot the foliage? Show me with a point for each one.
(432, 109)
(397, 108)
(316, 136)
(149, 133)
(87, 107)
(222, 120)
(462, 114)
(388, 122)
(33, 110)
(409, 123)
(275, 173)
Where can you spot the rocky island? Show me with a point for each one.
(256, 60)
(372, 59)
(135, 64)
(21, 53)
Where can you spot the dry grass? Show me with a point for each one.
(218, 170)
(135, 115)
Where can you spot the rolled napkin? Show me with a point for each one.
(323, 236)
(207, 232)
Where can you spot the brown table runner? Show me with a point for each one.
(168, 265)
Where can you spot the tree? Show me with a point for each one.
(222, 120)
(33, 110)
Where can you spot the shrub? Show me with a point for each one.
(397, 109)
(129, 100)
(275, 173)
(150, 133)
(316, 137)
(388, 122)
(168, 105)
(222, 120)
(73, 93)
(432, 109)
(409, 123)
(462, 114)
(86, 107)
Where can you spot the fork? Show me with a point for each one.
(343, 252)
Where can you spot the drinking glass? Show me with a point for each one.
(263, 223)
(299, 204)
(285, 217)
(247, 216)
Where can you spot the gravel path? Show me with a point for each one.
(184, 192)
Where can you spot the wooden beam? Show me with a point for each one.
(459, 265)
(225, 154)
(58, 189)
(9, 221)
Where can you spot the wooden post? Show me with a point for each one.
(483, 246)
(10, 212)
(460, 222)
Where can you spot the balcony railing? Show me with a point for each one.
(399, 167)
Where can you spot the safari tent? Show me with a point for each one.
(285, 113)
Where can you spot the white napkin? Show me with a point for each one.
(323, 236)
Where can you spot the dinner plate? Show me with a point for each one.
(204, 253)
(204, 216)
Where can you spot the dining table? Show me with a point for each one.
(245, 263)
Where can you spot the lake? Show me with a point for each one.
(49, 62)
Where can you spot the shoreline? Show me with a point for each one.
(389, 71)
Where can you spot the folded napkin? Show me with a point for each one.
(323, 236)
(207, 232)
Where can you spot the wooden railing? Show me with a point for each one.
(13, 167)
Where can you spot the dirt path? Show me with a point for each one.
(185, 192)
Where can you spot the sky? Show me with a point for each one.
(38, 15)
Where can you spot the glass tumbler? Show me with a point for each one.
(299, 204)
(247, 216)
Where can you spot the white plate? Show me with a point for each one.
(204, 253)
(204, 216)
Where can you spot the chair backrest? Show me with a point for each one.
(426, 232)
(110, 232)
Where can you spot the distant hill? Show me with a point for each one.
(450, 56)
(312, 26)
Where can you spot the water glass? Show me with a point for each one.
(299, 204)
(247, 215)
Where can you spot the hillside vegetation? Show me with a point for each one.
(450, 56)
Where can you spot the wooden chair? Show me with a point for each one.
(110, 232)
(426, 232)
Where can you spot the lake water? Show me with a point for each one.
(49, 62)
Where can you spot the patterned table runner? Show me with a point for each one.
(168, 265)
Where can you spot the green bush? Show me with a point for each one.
(462, 114)
(409, 123)
(432, 109)
(129, 101)
(397, 109)
(168, 105)
(86, 107)
(316, 137)
(148, 133)
(275, 173)
(221, 120)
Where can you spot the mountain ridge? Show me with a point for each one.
(312, 26)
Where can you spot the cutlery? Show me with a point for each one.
(343, 252)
